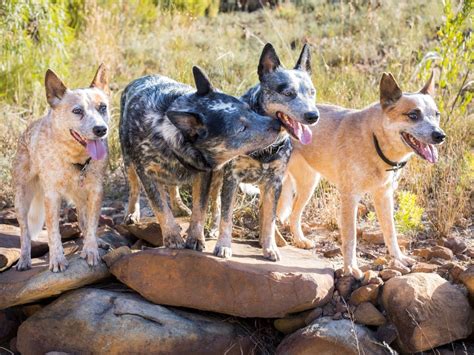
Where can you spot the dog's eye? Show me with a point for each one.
(414, 115)
(289, 93)
(312, 92)
(102, 108)
(243, 128)
(78, 111)
(438, 114)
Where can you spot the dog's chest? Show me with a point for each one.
(250, 170)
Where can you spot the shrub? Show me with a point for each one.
(408, 215)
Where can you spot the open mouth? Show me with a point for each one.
(299, 131)
(95, 147)
(426, 151)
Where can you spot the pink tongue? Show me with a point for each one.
(429, 152)
(303, 132)
(96, 149)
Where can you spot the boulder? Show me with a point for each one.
(387, 274)
(366, 313)
(367, 293)
(20, 287)
(427, 310)
(332, 337)
(245, 285)
(291, 324)
(99, 321)
(467, 278)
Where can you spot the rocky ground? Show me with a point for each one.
(155, 300)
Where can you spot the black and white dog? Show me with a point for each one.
(285, 95)
(172, 134)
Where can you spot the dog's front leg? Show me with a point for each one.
(201, 186)
(349, 204)
(268, 204)
(177, 205)
(90, 250)
(215, 197)
(223, 246)
(22, 204)
(383, 203)
(57, 260)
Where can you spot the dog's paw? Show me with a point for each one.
(23, 264)
(304, 243)
(406, 260)
(354, 271)
(174, 241)
(223, 252)
(132, 218)
(195, 243)
(272, 253)
(58, 263)
(91, 255)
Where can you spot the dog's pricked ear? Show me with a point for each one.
(269, 61)
(189, 123)
(429, 88)
(390, 92)
(304, 61)
(101, 79)
(55, 88)
(203, 84)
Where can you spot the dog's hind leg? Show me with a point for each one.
(177, 205)
(52, 203)
(215, 197)
(383, 203)
(133, 211)
(159, 200)
(223, 246)
(349, 204)
(201, 186)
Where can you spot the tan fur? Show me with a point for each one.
(44, 172)
(342, 151)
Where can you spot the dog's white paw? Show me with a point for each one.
(174, 241)
(272, 253)
(354, 271)
(132, 218)
(195, 243)
(406, 260)
(23, 264)
(304, 243)
(91, 255)
(58, 263)
(223, 251)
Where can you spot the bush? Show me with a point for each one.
(408, 215)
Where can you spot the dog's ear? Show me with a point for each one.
(101, 79)
(304, 61)
(269, 61)
(203, 84)
(429, 88)
(390, 92)
(189, 123)
(55, 88)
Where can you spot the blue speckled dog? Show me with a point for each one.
(172, 134)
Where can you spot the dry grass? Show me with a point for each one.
(353, 43)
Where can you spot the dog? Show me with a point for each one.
(172, 134)
(63, 155)
(363, 151)
(285, 95)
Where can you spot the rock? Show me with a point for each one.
(457, 245)
(313, 315)
(427, 310)
(344, 285)
(332, 337)
(291, 324)
(373, 236)
(386, 333)
(117, 205)
(10, 320)
(441, 252)
(245, 285)
(8, 216)
(456, 272)
(110, 238)
(380, 261)
(332, 252)
(424, 253)
(149, 231)
(424, 267)
(467, 278)
(70, 214)
(69, 230)
(397, 265)
(20, 287)
(371, 277)
(115, 254)
(99, 321)
(329, 310)
(105, 220)
(387, 274)
(367, 293)
(31, 309)
(366, 313)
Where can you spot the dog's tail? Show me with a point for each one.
(287, 197)
(36, 211)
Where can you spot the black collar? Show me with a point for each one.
(82, 167)
(395, 166)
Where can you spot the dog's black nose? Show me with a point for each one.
(99, 131)
(438, 136)
(311, 117)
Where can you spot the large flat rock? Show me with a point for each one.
(107, 322)
(247, 285)
(20, 287)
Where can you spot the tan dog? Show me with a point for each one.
(362, 151)
(63, 155)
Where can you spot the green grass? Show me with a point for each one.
(353, 43)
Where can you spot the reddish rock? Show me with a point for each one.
(424, 267)
(313, 315)
(441, 252)
(366, 313)
(332, 253)
(344, 285)
(387, 274)
(397, 265)
(456, 244)
(366, 293)
(8, 216)
(371, 277)
(245, 285)
(373, 236)
(467, 278)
